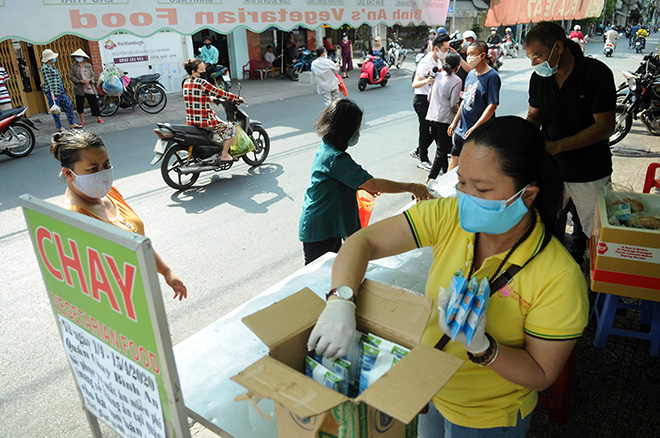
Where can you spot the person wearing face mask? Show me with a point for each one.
(422, 82)
(89, 179)
(378, 52)
(209, 55)
(346, 55)
(330, 209)
(468, 38)
(572, 99)
(53, 87)
(325, 71)
(480, 99)
(82, 75)
(501, 222)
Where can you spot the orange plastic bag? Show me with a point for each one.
(342, 87)
(365, 206)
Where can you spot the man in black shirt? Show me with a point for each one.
(572, 99)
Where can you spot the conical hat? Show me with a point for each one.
(80, 52)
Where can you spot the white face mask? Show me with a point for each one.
(79, 58)
(441, 55)
(95, 185)
(473, 60)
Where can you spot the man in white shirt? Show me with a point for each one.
(611, 36)
(422, 82)
(270, 57)
(325, 71)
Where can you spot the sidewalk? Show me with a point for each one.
(254, 91)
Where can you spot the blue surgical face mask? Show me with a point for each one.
(543, 69)
(354, 138)
(478, 215)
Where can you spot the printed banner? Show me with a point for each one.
(510, 12)
(95, 19)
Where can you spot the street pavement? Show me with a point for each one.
(235, 233)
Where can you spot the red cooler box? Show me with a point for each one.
(625, 261)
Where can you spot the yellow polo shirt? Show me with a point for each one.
(547, 299)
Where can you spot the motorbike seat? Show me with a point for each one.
(10, 112)
(188, 129)
(152, 77)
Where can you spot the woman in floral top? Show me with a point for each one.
(53, 88)
(197, 95)
(82, 76)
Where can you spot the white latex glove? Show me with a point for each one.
(479, 343)
(333, 333)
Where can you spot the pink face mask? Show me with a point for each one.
(95, 185)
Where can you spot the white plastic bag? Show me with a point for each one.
(55, 109)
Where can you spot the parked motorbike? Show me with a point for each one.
(640, 44)
(367, 74)
(510, 48)
(145, 91)
(304, 63)
(642, 101)
(186, 151)
(608, 50)
(495, 56)
(396, 54)
(16, 136)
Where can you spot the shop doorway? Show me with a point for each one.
(31, 80)
(220, 42)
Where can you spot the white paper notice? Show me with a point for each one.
(115, 389)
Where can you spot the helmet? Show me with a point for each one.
(577, 27)
(507, 30)
(441, 30)
(431, 30)
(469, 34)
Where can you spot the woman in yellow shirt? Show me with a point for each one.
(508, 200)
(88, 172)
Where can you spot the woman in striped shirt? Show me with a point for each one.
(53, 88)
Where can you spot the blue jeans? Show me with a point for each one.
(434, 425)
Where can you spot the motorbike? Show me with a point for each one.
(608, 50)
(220, 77)
(510, 48)
(641, 102)
(145, 91)
(367, 74)
(304, 63)
(186, 151)
(396, 55)
(495, 56)
(16, 136)
(640, 44)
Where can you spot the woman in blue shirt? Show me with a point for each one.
(330, 210)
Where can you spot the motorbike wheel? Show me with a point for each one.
(261, 142)
(514, 52)
(108, 105)
(362, 84)
(176, 157)
(151, 98)
(295, 73)
(26, 137)
(383, 83)
(622, 127)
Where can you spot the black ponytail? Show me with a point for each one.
(522, 155)
(452, 61)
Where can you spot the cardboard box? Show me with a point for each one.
(388, 408)
(625, 261)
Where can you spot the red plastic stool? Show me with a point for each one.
(651, 180)
(557, 399)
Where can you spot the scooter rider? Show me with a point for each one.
(611, 36)
(494, 39)
(642, 34)
(197, 95)
(209, 54)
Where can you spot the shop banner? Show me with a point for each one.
(510, 12)
(103, 289)
(96, 19)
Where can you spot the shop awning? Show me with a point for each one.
(42, 21)
(510, 12)
(469, 8)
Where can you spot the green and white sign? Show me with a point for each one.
(103, 288)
